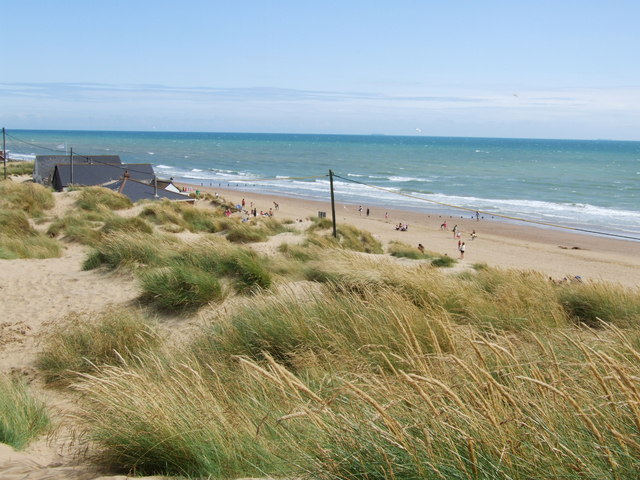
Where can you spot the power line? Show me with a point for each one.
(565, 227)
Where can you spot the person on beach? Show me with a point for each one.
(367, 211)
(443, 226)
(421, 248)
(276, 205)
(462, 249)
(386, 215)
(473, 235)
(243, 203)
(360, 209)
(477, 216)
(455, 230)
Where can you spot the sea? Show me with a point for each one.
(592, 186)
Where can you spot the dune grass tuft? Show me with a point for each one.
(81, 343)
(130, 249)
(191, 277)
(92, 198)
(402, 250)
(19, 168)
(18, 239)
(178, 216)
(348, 237)
(31, 198)
(379, 330)
(22, 417)
(179, 288)
(594, 303)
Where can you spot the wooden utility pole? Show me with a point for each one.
(333, 205)
(71, 166)
(4, 152)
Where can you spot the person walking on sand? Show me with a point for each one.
(367, 211)
(462, 249)
(455, 230)
(360, 209)
(421, 248)
(386, 215)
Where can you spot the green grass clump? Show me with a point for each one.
(178, 216)
(81, 344)
(78, 226)
(191, 277)
(375, 329)
(594, 303)
(402, 250)
(30, 198)
(165, 213)
(443, 261)
(19, 168)
(179, 287)
(19, 240)
(245, 233)
(92, 198)
(22, 417)
(349, 238)
(130, 249)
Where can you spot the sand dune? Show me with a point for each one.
(36, 294)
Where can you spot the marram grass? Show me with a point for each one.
(352, 398)
(92, 198)
(80, 344)
(22, 416)
(31, 198)
(18, 239)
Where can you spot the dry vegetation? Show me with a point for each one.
(336, 361)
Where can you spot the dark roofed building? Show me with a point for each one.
(137, 190)
(86, 174)
(44, 165)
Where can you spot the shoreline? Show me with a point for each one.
(499, 243)
(429, 208)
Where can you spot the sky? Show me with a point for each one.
(525, 69)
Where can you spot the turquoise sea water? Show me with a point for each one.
(587, 184)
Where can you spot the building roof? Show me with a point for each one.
(44, 165)
(98, 173)
(136, 191)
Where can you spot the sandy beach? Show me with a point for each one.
(557, 253)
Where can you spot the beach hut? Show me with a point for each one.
(44, 165)
(85, 174)
(137, 190)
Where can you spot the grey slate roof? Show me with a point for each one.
(86, 174)
(44, 165)
(137, 190)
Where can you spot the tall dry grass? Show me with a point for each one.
(294, 391)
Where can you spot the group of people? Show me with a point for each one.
(253, 211)
(402, 227)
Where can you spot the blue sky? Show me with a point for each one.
(539, 69)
